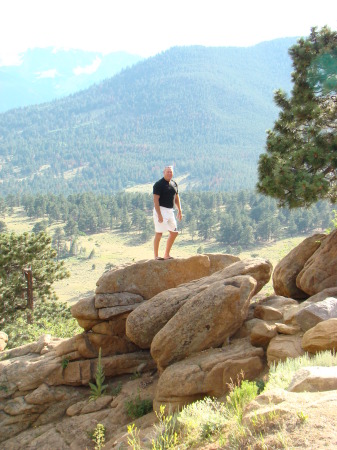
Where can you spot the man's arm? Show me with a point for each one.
(157, 207)
(177, 202)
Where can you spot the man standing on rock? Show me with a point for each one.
(165, 197)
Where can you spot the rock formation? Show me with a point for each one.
(190, 326)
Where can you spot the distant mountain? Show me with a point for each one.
(205, 110)
(47, 74)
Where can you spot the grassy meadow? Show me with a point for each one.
(116, 248)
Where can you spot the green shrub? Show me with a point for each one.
(48, 318)
(138, 407)
(202, 419)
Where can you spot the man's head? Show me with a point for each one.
(168, 173)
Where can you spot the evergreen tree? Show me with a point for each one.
(300, 166)
(17, 253)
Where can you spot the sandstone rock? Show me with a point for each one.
(79, 373)
(321, 337)
(279, 302)
(18, 406)
(287, 270)
(203, 374)
(314, 379)
(317, 312)
(204, 321)
(27, 372)
(282, 347)
(12, 425)
(249, 368)
(267, 313)
(262, 333)
(114, 327)
(246, 328)
(146, 321)
(220, 261)
(3, 340)
(66, 346)
(47, 394)
(319, 272)
(151, 277)
(88, 324)
(109, 313)
(287, 329)
(118, 299)
(86, 406)
(258, 268)
(290, 314)
(88, 345)
(274, 307)
(85, 309)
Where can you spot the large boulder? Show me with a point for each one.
(314, 379)
(145, 321)
(207, 373)
(319, 272)
(317, 312)
(282, 347)
(219, 261)
(321, 337)
(204, 321)
(148, 278)
(287, 270)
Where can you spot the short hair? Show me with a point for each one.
(168, 167)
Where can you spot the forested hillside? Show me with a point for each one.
(205, 110)
(236, 220)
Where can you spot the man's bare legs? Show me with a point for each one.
(169, 243)
(156, 243)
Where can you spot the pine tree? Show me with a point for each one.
(17, 254)
(300, 166)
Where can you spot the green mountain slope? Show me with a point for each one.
(205, 110)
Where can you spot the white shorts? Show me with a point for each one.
(169, 222)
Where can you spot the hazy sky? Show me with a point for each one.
(147, 27)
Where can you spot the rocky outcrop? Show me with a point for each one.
(148, 278)
(203, 331)
(319, 272)
(314, 313)
(286, 271)
(282, 347)
(151, 316)
(321, 337)
(207, 373)
(204, 321)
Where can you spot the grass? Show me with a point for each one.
(116, 248)
(280, 375)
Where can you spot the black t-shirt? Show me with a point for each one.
(166, 191)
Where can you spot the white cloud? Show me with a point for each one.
(51, 73)
(88, 69)
(148, 27)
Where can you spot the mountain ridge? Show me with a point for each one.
(203, 109)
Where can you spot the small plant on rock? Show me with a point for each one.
(98, 389)
(138, 407)
(98, 436)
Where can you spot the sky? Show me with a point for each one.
(148, 27)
